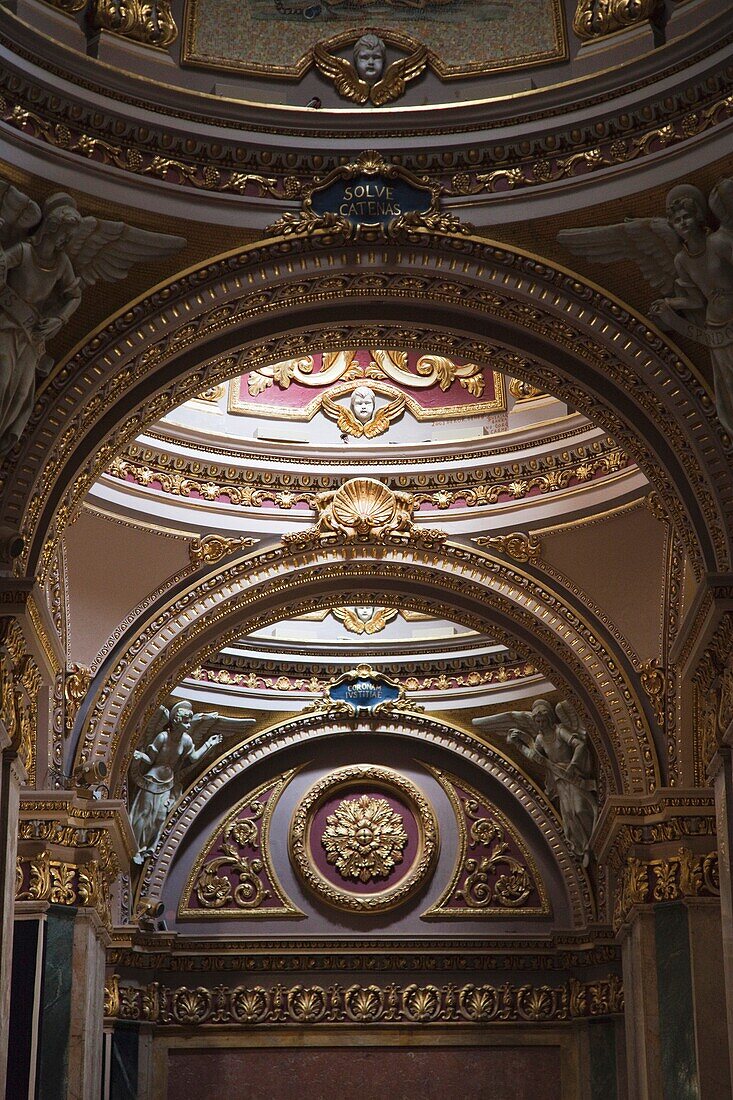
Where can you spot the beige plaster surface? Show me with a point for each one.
(618, 561)
(112, 567)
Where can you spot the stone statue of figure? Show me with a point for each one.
(48, 255)
(689, 263)
(370, 55)
(159, 770)
(556, 740)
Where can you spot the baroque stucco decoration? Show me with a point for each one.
(148, 21)
(689, 264)
(48, 255)
(596, 18)
(369, 79)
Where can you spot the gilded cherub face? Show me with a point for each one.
(369, 57)
(363, 404)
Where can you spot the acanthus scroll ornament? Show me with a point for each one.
(596, 18)
(148, 21)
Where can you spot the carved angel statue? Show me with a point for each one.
(48, 255)
(366, 80)
(158, 772)
(556, 740)
(689, 263)
(362, 417)
(364, 620)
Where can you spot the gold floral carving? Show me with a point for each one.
(684, 875)
(41, 878)
(379, 618)
(364, 838)
(523, 391)
(713, 696)
(20, 682)
(389, 840)
(244, 844)
(519, 546)
(362, 510)
(487, 878)
(596, 18)
(76, 685)
(364, 1004)
(148, 21)
(431, 370)
(210, 549)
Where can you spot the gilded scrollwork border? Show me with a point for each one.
(441, 907)
(288, 909)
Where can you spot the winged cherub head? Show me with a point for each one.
(363, 403)
(370, 55)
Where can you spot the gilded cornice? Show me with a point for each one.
(611, 136)
(314, 1005)
(250, 488)
(669, 816)
(140, 951)
(641, 352)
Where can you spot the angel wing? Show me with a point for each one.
(507, 721)
(569, 717)
(350, 619)
(157, 724)
(107, 250)
(651, 243)
(343, 74)
(379, 619)
(346, 422)
(399, 73)
(383, 417)
(19, 214)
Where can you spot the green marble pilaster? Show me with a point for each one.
(602, 1057)
(56, 998)
(674, 989)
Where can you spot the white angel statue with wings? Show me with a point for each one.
(174, 745)
(689, 263)
(556, 740)
(48, 255)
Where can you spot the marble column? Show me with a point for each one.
(87, 1010)
(676, 1031)
(12, 776)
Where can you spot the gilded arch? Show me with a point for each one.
(482, 589)
(271, 301)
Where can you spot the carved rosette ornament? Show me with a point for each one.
(148, 21)
(364, 838)
(596, 18)
(234, 877)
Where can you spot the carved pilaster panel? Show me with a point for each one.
(20, 682)
(713, 696)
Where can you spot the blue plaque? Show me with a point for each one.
(372, 200)
(364, 693)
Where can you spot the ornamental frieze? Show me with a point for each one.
(234, 877)
(249, 1006)
(480, 488)
(494, 874)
